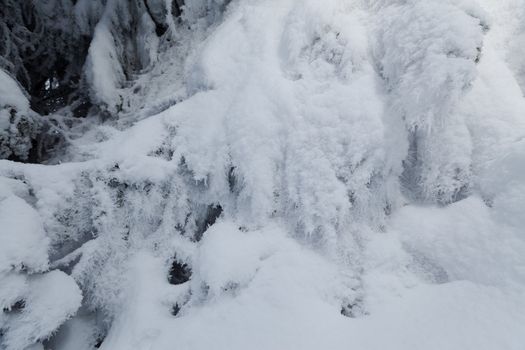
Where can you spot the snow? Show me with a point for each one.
(336, 174)
(51, 298)
(103, 69)
(288, 299)
(11, 94)
(24, 242)
(246, 275)
(13, 103)
(13, 286)
(465, 241)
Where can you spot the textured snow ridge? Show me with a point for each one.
(279, 174)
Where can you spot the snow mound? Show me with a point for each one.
(24, 242)
(51, 299)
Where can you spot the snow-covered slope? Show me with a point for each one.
(280, 174)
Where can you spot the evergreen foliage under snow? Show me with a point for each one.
(262, 174)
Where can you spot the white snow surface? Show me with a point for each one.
(11, 94)
(23, 238)
(368, 158)
(53, 297)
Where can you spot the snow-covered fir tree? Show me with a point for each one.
(262, 174)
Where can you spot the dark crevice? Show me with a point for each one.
(212, 213)
(179, 273)
(232, 180)
(98, 342)
(160, 28)
(354, 309)
(176, 8)
(175, 310)
(17, 307)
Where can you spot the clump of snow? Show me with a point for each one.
(103, 69)
(11, 95)
(464, 239)
(229, 258)
(34, 302)
(24, 242)
(427, 54)
(50, 299)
